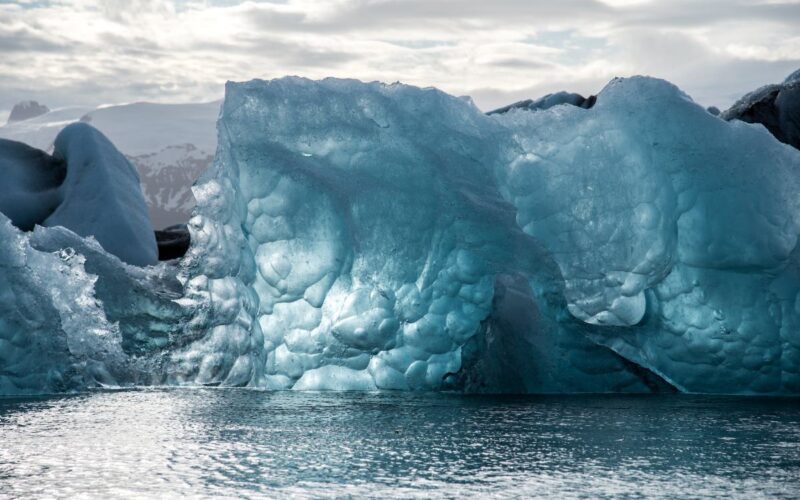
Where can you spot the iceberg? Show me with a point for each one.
(369, 225)
(54, 335)
(776, 106)
(675, 232)
(86, 186)
(363, 236)
(73, 316)
(170, 145)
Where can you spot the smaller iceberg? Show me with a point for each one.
(776, 106)
(86, 185)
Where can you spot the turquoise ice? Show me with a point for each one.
(361, 230)
(367, 236)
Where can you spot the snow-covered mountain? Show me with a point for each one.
(169, 144)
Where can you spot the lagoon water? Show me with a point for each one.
(243, 443)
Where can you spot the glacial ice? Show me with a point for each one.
(370, 224)
(776, 106)
(170, 146)
(674, 230)
(366, 236)
(73, 316)
(86, 186)
(31, 178)
(54, 335)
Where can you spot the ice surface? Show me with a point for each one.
(29, 189)
(674, 230)
(86, 186)
(364, 226)
(370, 224)
(54, 336)
(72, 316)
(100, 196)
(366, 236)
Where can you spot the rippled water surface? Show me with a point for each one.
(246, 443)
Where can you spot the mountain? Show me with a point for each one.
(169, 144)
(26, 110)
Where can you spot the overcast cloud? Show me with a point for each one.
(90, 52)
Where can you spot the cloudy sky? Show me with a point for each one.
(91, 52)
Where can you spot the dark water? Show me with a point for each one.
(236, 443)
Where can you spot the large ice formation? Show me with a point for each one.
(372, 226)
(776, 106)
(86, 186)
(367, 236)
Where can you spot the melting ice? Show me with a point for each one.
(367, 236)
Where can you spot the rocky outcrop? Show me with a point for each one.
(548, 101)
(173, 242)
(777, 107)
(26, 110)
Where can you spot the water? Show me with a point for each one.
(211, 442)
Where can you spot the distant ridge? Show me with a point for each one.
(26, 110)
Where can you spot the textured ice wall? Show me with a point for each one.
(73, 316)
(54, 336)
(673, 223)
(350, 236)
(622, 191)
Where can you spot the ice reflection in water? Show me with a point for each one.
(238, 442)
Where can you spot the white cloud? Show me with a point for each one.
(89, 51)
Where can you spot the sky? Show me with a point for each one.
(99, 52)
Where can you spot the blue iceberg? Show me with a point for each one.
(87, 185)
(363, 236)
